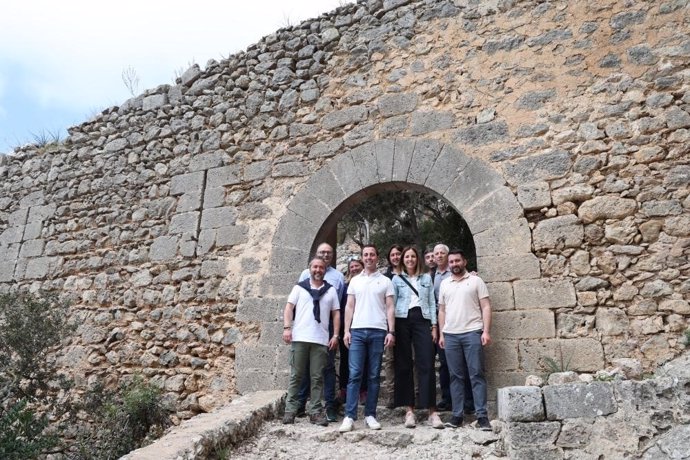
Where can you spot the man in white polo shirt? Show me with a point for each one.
(312, 304)
(369, 328)
(464, 319)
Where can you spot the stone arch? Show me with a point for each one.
(496, 220)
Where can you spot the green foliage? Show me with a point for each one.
(46, 138)
(553, 366)
(29, 327)
(21, 433)
(123, 420)
(407, 218)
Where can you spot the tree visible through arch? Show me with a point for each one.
(406, 217)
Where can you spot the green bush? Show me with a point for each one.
(30, 326)
(122, 420)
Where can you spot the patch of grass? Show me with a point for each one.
(558, 364)
(46, 138)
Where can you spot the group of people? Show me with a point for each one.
(422, 305)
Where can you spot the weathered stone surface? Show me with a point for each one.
(530, 294)
(545, 166)
(397, 104)
(344, 117)
(606, 207)
(523, 324)
(508, 267)
(484, 133)
(579, 400)
(508, 238)
(520, 404)
(582, 355)
(534, 196)
(611, 321)
(558, 232)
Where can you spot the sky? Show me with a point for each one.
(62, 62)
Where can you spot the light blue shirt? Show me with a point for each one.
(403, 295)
(333, 276)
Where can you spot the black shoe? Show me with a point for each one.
(331, 414)
(454, 422)
(484, 424)
(289, 418)
(318, 419)
(443, 405)
(301, 412)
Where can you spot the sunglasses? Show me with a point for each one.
(355, 257)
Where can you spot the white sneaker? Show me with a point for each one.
(372, 423)
(410, 421)
(348, 425)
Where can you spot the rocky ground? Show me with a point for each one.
(304, 440)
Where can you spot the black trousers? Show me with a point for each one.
(414, 332)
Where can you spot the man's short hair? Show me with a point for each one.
(312, 259)
(370, 246)
(442, 246)
(428, 251)
(459, 252)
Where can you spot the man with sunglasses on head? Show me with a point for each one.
(337, 280)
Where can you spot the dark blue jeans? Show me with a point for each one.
(466, 350)
(328, 383)
(366, 344)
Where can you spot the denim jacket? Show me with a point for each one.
(403, 294)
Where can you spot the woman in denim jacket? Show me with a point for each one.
(415, 326)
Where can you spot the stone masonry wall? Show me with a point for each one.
(159, 218)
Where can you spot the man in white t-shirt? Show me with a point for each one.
(369, 328)
(337, 280)
(464, 319)
(312, 304)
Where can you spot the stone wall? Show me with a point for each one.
(177, 221)
(640, 419)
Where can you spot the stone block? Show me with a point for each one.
(346, 173)
(272, 333)
(214, 197)
(501, 295)
(541, 167)
(520, 404)
(32, 230)
(499, 206)
(521, 434)
(288, 260)
(18, 217)
(226, 175)
(575, 193)
(8, 254)
(576, 400)
(502, 354)
(311, 210)
(364, 158)
(482, 134)
(536, 453)
(32, 199)
(424, 122)
(423, 158)
(397, 104)
(508, 267)
(187, 183)
(255, 357)
(497, 379)
(512, 237)
(39, 267)
(290, 169)
(526, 324)
(611, 321)
(251, 380)
(384, 151)
(325, 149)
(581, 355)
(207, 160)
(187, 222)
(542, 293)
(231, 235)
(31, 248)
(256, 171)
(154, 102)
(324, 187)
(448, 166)
(12, 235)
(535, 195)
(280, 285)
(293, 232)
(575, 433)
(558, 233)
(267, 309)
(606, 207)
(189, 202)
(404, 150)
(344, 117)
(476, 182)
(214, 268)
(218, 217)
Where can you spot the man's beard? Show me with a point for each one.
(457, 270)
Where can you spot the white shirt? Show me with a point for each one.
(461, 299)
(305, 328)
(370, 293)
